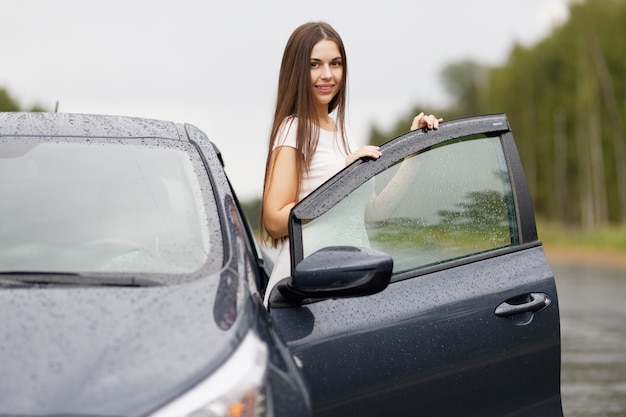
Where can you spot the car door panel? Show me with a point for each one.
(469, 324)
(432, 345)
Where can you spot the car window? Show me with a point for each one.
(447, 202)
(105, 206)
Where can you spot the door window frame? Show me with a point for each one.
(352, 177)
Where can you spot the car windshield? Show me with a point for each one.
(105, 206)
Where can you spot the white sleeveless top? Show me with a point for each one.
(328, 159)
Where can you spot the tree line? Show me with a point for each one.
(565, 98)
(9, 103)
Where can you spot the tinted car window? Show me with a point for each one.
(105, 206)
(447, 202)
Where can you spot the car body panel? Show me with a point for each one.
(77, 348)
(431, 342)
(126, 350)
(434, 344)
(443, 338)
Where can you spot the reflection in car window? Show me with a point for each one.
(447, 202)
(104, 206)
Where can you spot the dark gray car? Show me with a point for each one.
(131, 284)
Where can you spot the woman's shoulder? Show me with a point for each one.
(289, 122)
(286, 135)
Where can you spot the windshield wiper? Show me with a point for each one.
(15, 278)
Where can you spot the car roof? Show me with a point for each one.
(86, 125)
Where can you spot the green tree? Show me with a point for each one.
(7, 103)
(464, 82)
(483, 209)
(562, 99)
(565, 98)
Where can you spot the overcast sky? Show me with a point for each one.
(215, 64)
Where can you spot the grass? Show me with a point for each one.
(605, 238)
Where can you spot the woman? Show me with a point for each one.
(308, 146)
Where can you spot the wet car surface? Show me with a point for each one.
(132, 285)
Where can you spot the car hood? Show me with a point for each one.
(111, 351)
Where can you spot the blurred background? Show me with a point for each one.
(557, 68)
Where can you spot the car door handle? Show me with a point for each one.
(530, 303)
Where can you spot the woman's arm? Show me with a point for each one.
(280, 191)
(382, 205)
(368, 151)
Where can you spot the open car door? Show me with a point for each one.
(467, 324)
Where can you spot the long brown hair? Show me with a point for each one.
(295, 99)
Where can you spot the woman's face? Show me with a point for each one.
(326, 71)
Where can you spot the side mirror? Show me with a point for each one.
(339, 271)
